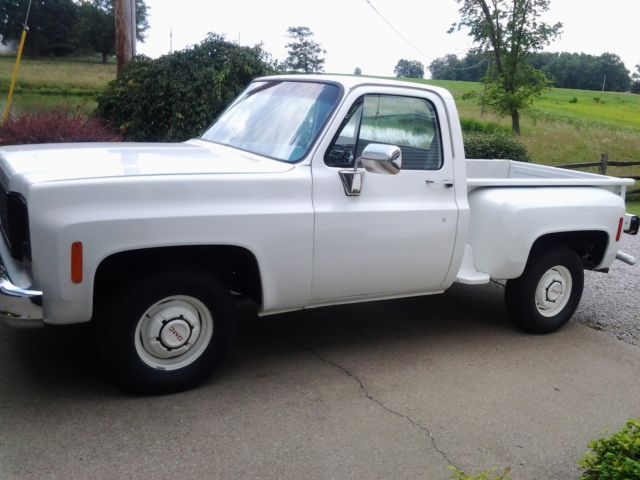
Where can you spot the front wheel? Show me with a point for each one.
(166, 331)
(547, 294)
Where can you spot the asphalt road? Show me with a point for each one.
(397, 389)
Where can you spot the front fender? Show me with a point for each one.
(270, 215)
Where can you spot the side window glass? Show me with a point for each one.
(410, 123)
(342, 151)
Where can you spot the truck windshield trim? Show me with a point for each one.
(277, 119)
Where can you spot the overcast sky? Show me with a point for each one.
(354, 35)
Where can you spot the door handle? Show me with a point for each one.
(446, 183)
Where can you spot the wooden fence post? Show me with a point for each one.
(604, 160)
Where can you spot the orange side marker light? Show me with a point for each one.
(76, 262)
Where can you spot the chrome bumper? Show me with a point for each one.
(626, 258)
(19, 306)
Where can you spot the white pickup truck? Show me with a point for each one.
(307, 191)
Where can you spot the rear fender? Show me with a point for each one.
(506, 223)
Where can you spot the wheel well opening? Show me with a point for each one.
(590, 245)
(237, 267)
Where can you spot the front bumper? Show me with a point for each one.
(19, 306)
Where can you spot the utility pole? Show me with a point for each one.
(125, 32)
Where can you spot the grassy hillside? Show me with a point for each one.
(66, 77)
(568, 126)
(46, 83)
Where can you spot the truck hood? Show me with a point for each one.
(28, 164)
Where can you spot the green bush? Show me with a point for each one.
(470, 95)
(573, 100)
(494, 146)
(176, 96)
(616, 457)
(470, 125)
(457, 474)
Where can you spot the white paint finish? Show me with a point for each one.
(459, 166)
(269, 214)
(468, 274)
(397, 237)
(509, 173)
(57, 162)
(505, 222)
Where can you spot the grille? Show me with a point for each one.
(4, 214)
(14, 222)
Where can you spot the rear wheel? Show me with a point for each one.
(166, 331)
(546, 295)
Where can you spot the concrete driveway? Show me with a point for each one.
(398, 389)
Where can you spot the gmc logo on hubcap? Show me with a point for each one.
(176, 333)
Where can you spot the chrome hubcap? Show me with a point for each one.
(173, 332)
(553, 291)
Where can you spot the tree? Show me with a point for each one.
(512, 31)
(61, 27)
(409, 69)
(175, 97)
(582, 71)
(635, 85)
(612, 72)
(305, 55)
(443, 68)
(471, 68)
(50, 25)
(95, 26)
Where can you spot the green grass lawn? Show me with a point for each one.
(633, 204)
(62, 77)
(48, 83)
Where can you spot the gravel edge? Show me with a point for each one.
(611, 301)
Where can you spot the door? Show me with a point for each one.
(397, 236)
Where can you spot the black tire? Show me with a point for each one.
(546, 316)
(198, 307)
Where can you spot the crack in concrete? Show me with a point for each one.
(367, 393)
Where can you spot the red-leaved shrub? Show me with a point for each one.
(55, 126)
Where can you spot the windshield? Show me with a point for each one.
(277, 119)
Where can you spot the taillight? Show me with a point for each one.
(620, 224)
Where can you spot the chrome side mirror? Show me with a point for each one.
(385, 159)
(376, 158)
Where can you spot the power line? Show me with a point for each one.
(425, 56)
(471, 67)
